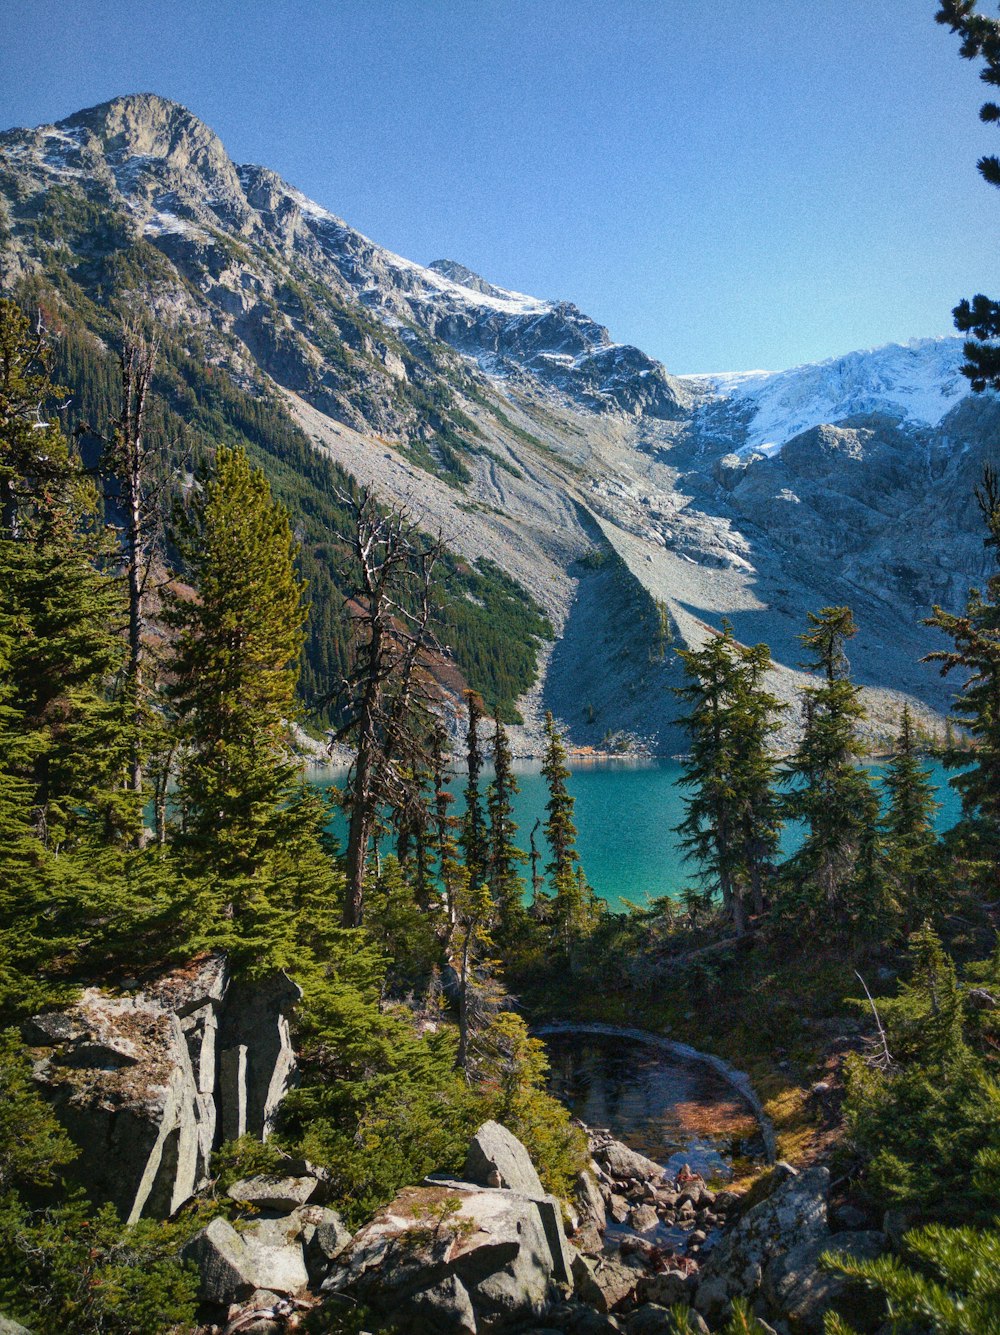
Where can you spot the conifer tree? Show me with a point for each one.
(908, 823)
(830, 791)
(474, 840)
(980, 316)
(235, 667)
(975, 637)
(64, 766)
(731, 825)
(573, 907)
(505, 857)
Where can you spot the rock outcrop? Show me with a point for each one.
(148, 1082)
(462, 1256)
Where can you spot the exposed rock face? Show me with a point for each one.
(457, 1257)
(793, 1216)
(796, 1287)
(146, 1084)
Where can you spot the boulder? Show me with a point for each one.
(421, 1256)
(273, 1193)
(799, 1291)
(147, 1084)
(325, 1238)
(643, 1218)
(795, 1213)
(604, 1283)
(9, 1327)
(225, 1268)
(496, 1158)
(266, 1254)
(623, 1163)
(589, 1201)
(277, 1257)
(667, 1288)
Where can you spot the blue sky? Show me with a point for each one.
(745, 183)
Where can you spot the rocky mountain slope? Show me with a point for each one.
(636, 508)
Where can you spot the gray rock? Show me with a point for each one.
(643, 1218)
(496, 1158)
(623, 1163)
(666, 1289)
(589, 1201)
(138, 1081)
(576, 1318)
(793, 1214)
(225, 1267)
(273, 1193)
(797, 1289)
(603, 1282)
(9, 1327)
(444, 1308)
(277, 1257)
(507, 1250)
(324, 1243)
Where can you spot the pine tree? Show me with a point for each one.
(911, 843)
(235, 667)
(474, 840)
(573, 907)
(731, 824)
(829, 789)
(975, 635)
(505, 857)
(66, 814)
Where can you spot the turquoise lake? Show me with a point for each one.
(626, 811)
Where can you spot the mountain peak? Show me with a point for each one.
(458, 273)
(145, 125)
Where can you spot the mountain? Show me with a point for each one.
(575, 480)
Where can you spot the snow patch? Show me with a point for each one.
(918, 382)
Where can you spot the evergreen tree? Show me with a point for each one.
(975, 635)
(573, 907)
(235, 667)
(911, 843)
(505, 857)
(834, 872)
(731, 825)
(980, 316)
(474, 838)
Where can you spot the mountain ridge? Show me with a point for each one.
(517, 425)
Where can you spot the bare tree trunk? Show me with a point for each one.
(138, 358)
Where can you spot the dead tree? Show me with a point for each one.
(384, 698)
(127, 460)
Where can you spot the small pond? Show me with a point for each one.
(674, 1112)
(678, 1113)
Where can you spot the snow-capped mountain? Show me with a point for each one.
(517, 426)
(919, 382)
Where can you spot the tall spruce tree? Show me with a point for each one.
(731, 825)
(908, 823)
(474, 834)
(573, 906)
(235, 667)
(64, 763)
(506, 885)
(829, 790)
(975, 637)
